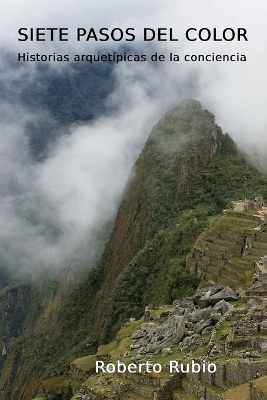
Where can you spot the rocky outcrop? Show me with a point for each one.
(151, 338)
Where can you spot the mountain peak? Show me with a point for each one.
(189, 104)
(185, 122)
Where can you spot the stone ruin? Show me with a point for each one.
(204, 313)
(207, 320)
(263, 261)
(254, 204)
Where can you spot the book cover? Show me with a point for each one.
(133, 188)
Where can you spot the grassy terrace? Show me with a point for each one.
(131, 395)
(85, 364)
(132, 387)
(217, 251)
(99, 386)
(212, 388)
(239, 392)
(61, 385)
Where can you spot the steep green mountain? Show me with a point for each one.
(187, 172)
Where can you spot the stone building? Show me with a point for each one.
(253, 204)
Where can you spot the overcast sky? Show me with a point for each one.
(235, 91)
(78, 185)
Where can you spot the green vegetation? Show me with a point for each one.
(157, 274)
(61, 387)
(39, 398)
(85, 364)
(128, 329)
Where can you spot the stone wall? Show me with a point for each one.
(166, 392)
(200, 390)
(191, 387)
(76, 373)
(220, 378)
(230, 374)
(211, 395)
(254, 294)
(263, 327)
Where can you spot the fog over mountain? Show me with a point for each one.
(52, 204)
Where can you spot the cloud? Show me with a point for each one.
(51, 208)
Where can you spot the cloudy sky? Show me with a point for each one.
(233, 89)
(50, 208)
